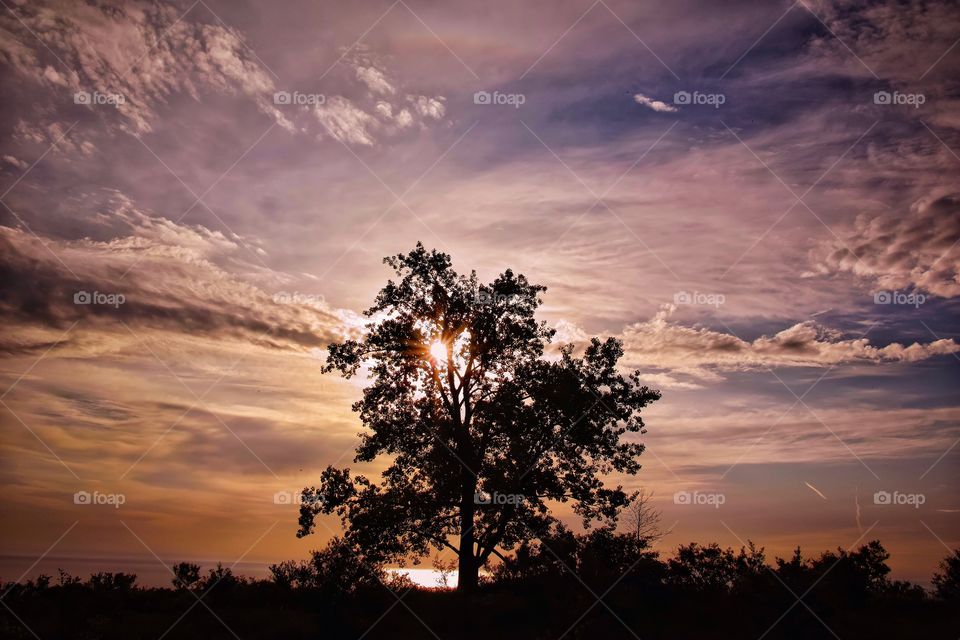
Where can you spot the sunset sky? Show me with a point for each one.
(760, 199)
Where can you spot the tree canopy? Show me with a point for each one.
(481, 424)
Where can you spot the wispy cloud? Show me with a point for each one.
(170, 276)
(656, 105)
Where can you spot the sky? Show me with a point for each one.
(759, 198)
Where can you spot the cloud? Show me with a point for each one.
(656, 105)
(145, 56)
(428, 107)
(917, 249)
(907, 44)
(142, 51)
(400, 120)
(174, 278)
(765, 433)
(366, 119)
(55, 136)
(901, 41)
(345, 121)
(375, 80)
(662, 343)
(18, 163)
(403, 118)
(675, 356)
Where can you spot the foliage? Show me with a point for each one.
(848, 575)
(598, 583)
(108, 581)
(335, 569)
(186, 575)
(598, 556)
(711, 568)
(465, 406)
(946, 581)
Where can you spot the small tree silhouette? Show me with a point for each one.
(946, 581)
(643, 519)
(480, 428)
(186, 575)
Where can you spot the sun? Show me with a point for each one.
(439, 351)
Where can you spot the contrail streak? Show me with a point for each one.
(856, 500)
(815, 490)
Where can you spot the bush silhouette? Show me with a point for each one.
(946, 581)
(598, 583)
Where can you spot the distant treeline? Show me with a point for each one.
(597, 585)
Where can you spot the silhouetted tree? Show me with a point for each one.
(64, 579)
(552, 555)
(845, 575)
(109, 581)
(601, 556)
(335, 569)
(480, 428)
(221, 577)
(712, 568)
(905, 591)
(643, 520)
(946, 581)
(186, 575)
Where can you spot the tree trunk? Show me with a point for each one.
(468, 569)
(468, 574)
